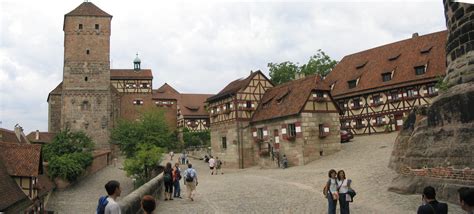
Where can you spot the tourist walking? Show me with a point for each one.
(148, 204)
(171, 155)
(430, 204)
(212, 164)
(107, 204)
(466, 199)
(168, 180)
(183, 158)
(343, 185)
(191, 181)
(177, 176)
(330, 191)
(218, 166)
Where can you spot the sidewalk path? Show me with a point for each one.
(298, 189)
(82, 197)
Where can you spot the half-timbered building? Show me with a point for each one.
(376, 88)
(192, 112)
(298, 119)
(230, 113)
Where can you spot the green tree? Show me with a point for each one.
(202, 138)
(150, 129)
(146, 158)
(320, 63)
(69, 154)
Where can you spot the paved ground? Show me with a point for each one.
(82, 197)
(298, 189)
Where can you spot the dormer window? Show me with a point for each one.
(80, 26)
(419, 70)
(386, 76)
(393, 57)
(332, 86)
(361, 65)
(426, 50)
(352, 83)
(97, 26)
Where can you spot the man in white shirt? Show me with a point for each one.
(113, 190)
(212, 164)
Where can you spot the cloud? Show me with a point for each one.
(197, 47)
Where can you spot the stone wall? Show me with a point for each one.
(238, 140)
(460, 46)
(307, 146)
(130, 204)
(436, 145)
(54, 113)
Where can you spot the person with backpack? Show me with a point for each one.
(107, 204)
(191, 181)
(168, 180)
(177, 176)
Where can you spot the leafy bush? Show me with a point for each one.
(64, 167)
(441, 84)
(68, 155)
(146, 158)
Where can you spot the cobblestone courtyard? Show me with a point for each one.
(255, 190)
(298, 189)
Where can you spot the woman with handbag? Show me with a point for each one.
(330, 191)
(343, 185)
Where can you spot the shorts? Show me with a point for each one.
(211, 167)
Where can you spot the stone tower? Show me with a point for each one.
(86, 90)
(436, 145)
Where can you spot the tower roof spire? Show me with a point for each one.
(88, 9)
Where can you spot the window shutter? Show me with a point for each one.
(299, 132)
(265, 133)
(254, 133)
(284, 132)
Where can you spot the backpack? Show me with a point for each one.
(102, 204)
(178, 174)
(167, 177)
(190, 175)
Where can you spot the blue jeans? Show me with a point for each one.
(331, 204)
(343, 203)
(177, 189)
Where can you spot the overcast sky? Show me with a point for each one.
(195, 46)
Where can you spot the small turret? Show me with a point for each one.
(136, 63)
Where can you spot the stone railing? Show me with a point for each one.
(130, 204)
(197, 152)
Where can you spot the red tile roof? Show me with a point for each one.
(234, 86)
(166, 92)
(10, 192)
(193, 105)
(10, 137)
(288, 98)
(88, 9)
(120, 74)
(21, 159)
(44, 137)
(404, 55)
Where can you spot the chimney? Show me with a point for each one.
(37, 136)
(414, 35)
(18, 131)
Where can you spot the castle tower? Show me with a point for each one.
(86, 91)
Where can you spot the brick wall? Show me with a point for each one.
(466, 174)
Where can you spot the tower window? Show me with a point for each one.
(85, 79)
(97, 26)
(224, 142)
(87, 51)
(80, 26)
(85, 106)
